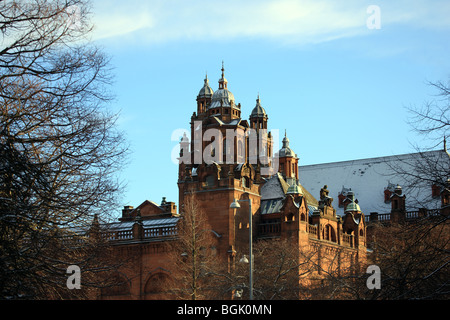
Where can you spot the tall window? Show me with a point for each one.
(245, 182)
(210, 181)
(240, 156)
(329, 233)
(225, 150)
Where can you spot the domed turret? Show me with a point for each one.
(206, 91)
(353, 206)
(258, 110)
(294, 189)
(286, 151)
(204, 97)
(222, 102)
(288, 160)
(222, 97)
(258, 117)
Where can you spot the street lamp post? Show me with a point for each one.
(235, 205)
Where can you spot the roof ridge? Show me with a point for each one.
(382, 158)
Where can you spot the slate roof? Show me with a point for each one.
(273, 194)
(151, 223)
(271, 206)
(368, 178)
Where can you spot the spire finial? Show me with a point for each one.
(223, 81)
(223, 69)
(285, 140)
(445, 143)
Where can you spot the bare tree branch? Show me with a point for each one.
(59, 147)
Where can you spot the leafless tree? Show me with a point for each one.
(431, 121)
(284, 270)
(59, 147)
(418, 174)
(195, 263)
(279, 269)
(414, 257)
(414, 260)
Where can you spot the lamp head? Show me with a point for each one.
(235, 204)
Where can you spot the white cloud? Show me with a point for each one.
(115, 19)
(298, 21)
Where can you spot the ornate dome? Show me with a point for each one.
(294, 189)
(206, 91)
(258, 111)
(352, 206)
(286, 151)
(222, 97)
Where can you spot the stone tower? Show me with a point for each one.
(217, 164)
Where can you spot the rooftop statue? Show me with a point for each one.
(324, 198)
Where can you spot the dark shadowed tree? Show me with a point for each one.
(414, 257)
(414, 260)
(429, 169)
(59, 147)
(432, 119)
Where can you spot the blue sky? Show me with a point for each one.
(339, 88)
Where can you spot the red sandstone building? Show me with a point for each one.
(229, 158)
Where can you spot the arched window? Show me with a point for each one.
(445, 199)
(210, 180)
(240, 155)
(156, 283)
(245, 182)
(329, 233)
(227, 152)
(395, 205)
(224, 150)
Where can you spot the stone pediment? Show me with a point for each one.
(245, 170)
(149, 209)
